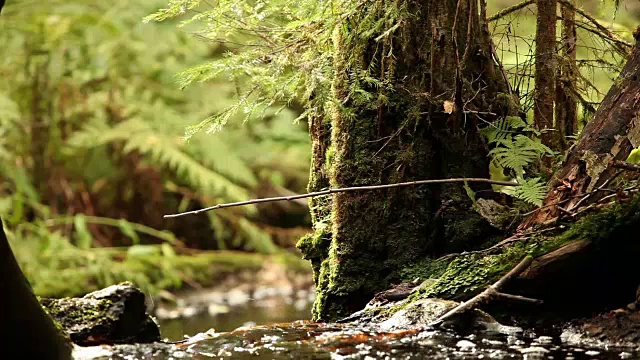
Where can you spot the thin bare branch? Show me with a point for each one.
(339, 190)
(621, 45)
(504, 12)
(490, 293)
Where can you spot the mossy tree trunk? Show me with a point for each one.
(413, 81)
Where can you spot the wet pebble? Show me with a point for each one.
(465, 345)
(533, 350)
(237, 297)
(216, 309)
(492, 342)
(545, 340)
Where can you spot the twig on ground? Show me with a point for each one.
(600, 188)
(339, 190)
(493, 291)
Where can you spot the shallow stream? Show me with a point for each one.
(273, 327)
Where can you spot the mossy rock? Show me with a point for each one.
(114, 315)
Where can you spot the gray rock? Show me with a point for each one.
(423, 312)
(113, 315)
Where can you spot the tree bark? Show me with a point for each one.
(566, 104)
(545, 66)
(24, 321)
(609, 136)
(437, 71)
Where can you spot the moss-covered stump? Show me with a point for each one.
(580, 268)
(114, 315)
(399, 114)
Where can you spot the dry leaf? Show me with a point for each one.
(449, 106)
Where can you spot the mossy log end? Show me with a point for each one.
(589, 266)
(432, 66)
(23, 320)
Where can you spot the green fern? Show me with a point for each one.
(531, 191)
(504, 128)
(516, 149)
(518, 152)
(164, 151)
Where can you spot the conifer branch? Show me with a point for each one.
(339, 190)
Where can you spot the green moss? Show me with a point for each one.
(469, 274)
(381, 134)
(77, 314)
(423, 269)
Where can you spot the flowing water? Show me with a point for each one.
(306, 340)
(273, 327)
(275, 310)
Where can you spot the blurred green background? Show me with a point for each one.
(92, 153)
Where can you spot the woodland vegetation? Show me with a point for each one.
(92, 153)
(277, 96)
(390, 100)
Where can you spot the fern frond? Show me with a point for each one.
(165, 151)
(503, 129)
(531, 190)
(518, 153)
(256, 238)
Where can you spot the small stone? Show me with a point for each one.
(216, 309)
(544, 340)
(534, 350)
(465, 344)
(237, 297)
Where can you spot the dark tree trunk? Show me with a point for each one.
(23, 320)
(608, 137)
(545, 64)
(566, 104)
(436, 72)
